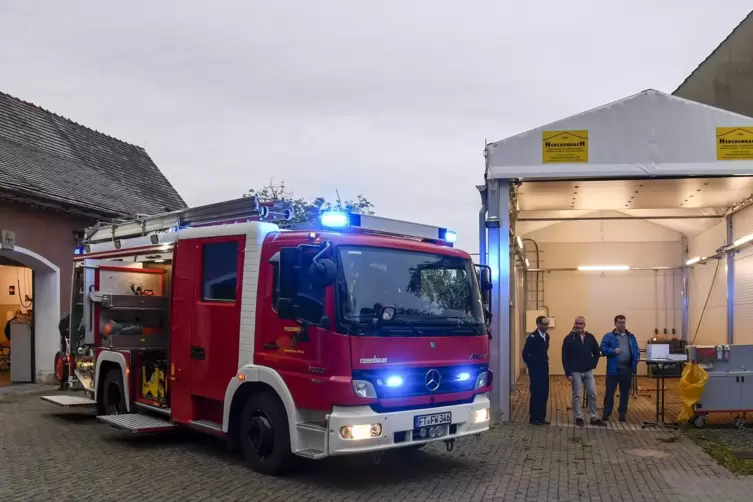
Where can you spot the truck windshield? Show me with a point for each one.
(425, 289)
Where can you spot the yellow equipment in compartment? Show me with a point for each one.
(155, 386)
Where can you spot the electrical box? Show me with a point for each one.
(531, 316)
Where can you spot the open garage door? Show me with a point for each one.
(634, 209)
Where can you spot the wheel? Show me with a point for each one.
(699, 421)
(740, 423)
(113, 393)
(61, 370)
(264, 434)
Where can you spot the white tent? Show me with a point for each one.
(647, 135)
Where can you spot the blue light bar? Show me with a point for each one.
(334, 219)
(448, 235)
(79, 251)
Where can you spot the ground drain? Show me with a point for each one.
(645, 453)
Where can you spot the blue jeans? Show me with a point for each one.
(623, 378)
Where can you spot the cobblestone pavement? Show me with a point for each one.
(53, 454)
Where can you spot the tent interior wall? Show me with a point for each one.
(651, 194)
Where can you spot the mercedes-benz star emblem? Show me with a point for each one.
(432, 380)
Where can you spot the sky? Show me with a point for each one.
(393, 100)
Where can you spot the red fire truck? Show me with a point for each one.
(357, 334)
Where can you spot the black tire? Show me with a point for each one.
(113, 393)
(61, 369)
(264, 435)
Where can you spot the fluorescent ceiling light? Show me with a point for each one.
(602, 268)
(742, 240)
(695, 260)
(528, 265)
(520, 241)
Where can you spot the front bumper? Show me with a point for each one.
(398, 427)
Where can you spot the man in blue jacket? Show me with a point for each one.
(536, 357)
(621, 350)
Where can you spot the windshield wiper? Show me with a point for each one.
(363, 322)
(404, 322)
(463, 321)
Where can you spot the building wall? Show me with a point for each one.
(709, 326)
(742, 226)
(724, 80)
(48, 233)
(650, 300)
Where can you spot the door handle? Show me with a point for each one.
(198, 353)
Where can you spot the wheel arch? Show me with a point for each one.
(257, 379)
(105, 362)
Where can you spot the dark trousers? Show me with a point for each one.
(539, 377)
(623, 378)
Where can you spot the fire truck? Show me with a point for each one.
(356, 334)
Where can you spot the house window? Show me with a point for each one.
(220, 272)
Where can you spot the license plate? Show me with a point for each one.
(435, 419)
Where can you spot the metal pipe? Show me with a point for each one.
(684, 291)
(730, 283)
(482, 226)
(656, 302)
(641, 218)
(674, 304)
(575, 269)
(666, 305)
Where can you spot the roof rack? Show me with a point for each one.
(232, 211)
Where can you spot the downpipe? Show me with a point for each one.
(482, 251)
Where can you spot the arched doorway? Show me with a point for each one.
(46, 309)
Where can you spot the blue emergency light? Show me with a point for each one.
(335, 219)
(340, 220)
(79, 251)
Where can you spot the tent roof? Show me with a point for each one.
(650, 134)
(650, 154)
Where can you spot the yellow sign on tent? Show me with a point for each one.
(734, 143)
(564, 147)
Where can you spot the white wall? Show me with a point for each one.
(713, 325)
(648, 299)
(742, 225)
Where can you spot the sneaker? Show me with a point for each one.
(605, 418)
(597, 421)
(580, 422)
(623, 418)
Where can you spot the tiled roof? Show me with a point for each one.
(44, 155)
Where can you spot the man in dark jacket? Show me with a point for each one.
(536, 357)
(580, 355)
(620, 347)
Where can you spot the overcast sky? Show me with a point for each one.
(389, 99)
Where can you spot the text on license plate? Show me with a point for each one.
(435, 419)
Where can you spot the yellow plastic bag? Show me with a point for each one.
(691, 386)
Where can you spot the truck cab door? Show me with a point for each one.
(298, 348)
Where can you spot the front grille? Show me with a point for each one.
(414, 380)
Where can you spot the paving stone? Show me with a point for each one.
(53, 454)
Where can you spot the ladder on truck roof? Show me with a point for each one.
(232, 211)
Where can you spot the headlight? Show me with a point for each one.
(482, 380)
(364, 389)
(481, 416)
(363, 431)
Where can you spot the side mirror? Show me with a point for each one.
(485, 278)
(289, 273)
(285, 308)
(323, 272)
